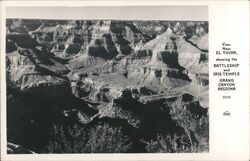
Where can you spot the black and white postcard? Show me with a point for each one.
(103, 80)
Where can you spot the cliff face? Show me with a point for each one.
(36, 73)
(104, 69)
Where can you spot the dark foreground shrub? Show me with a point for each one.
(76, 139)
(105, 139)
(173, 144)
(67, 140)
(196, 131)
(194, 139)
(196, 127)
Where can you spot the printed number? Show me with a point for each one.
(226, 97)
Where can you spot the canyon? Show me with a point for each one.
(88, 72)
